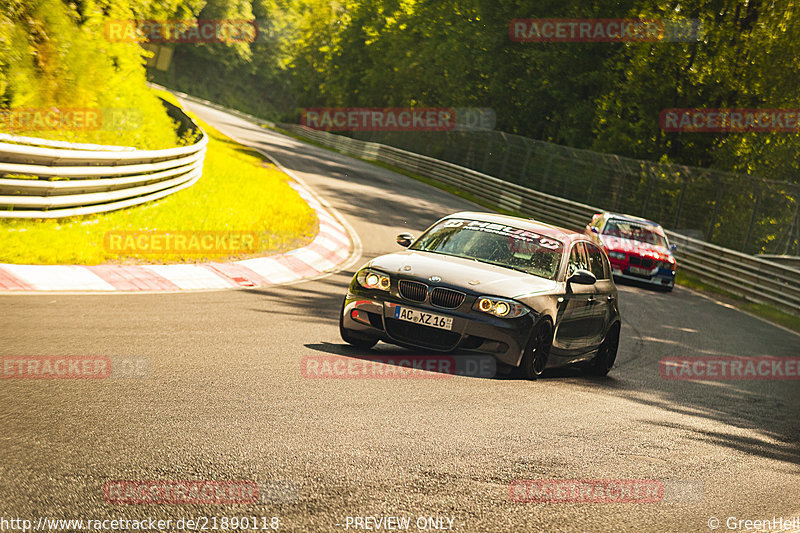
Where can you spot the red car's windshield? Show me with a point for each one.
(635, 232)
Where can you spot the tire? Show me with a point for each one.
(534, 360)
(606, 354)
(351, 337)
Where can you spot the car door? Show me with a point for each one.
(575, 328)
(605, 293)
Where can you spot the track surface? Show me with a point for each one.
(226, 400)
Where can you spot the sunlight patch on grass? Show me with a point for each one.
(239, 192)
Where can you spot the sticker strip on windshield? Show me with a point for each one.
(501, 229)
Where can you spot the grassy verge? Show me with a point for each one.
(764, 311)
(238, 192)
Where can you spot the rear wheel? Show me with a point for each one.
(536, 353)
(352, 337)
(606, 354)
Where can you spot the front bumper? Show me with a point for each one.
(372, 313)
(661, 277)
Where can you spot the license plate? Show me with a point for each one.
(421, 317)
(639, 270)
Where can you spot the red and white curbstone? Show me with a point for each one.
(329, 249)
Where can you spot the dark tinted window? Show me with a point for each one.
(598, 264)
(577, 259)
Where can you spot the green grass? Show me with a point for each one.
(239, 192)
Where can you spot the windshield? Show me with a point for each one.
(496, 244)
(635, 232)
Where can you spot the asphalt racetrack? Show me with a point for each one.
(224, 398)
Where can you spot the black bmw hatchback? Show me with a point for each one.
(533, 295)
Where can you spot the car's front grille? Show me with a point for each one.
(447, 298)
(413, 290)
(435, 338)
(638, 261)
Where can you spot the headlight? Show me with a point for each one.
(667, 265)
(500, 307)
(617, 255)
(369, 279)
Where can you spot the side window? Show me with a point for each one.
(577, 259)
(611, 228)
(598, 264)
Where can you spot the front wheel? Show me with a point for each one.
(606, 354)
(536, 353)
(351, 337)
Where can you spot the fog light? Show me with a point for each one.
(360, 316)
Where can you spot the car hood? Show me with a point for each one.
(460, 272)
(618, 244)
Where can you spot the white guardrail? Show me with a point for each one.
(755, 279)
(54, 179)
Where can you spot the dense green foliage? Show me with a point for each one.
(55, 56)
(601, 96)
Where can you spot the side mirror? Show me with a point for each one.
(673, 247)
(582, 277)
(405, 239)
(595, 230)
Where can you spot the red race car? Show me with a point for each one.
(637, 248)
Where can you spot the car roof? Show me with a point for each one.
(548, 230)
(631, 218)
